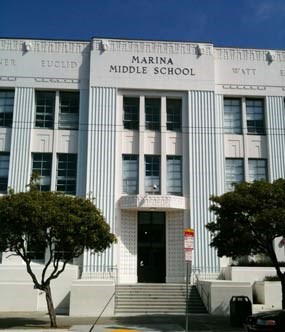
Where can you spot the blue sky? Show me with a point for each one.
(238, 23)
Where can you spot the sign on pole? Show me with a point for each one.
(188, 243)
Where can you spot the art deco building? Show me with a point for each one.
(149, 130)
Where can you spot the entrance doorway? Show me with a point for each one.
(151, 247)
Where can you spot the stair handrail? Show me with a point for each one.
(202, 291)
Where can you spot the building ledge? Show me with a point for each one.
(149, 202)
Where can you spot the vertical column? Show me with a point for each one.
(205, 151)
(141, 145)
(275, 127)
(23, 117)
(163, 166)
(101, 159)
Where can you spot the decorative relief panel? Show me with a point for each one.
(244, 87)
(8, 78)
(56, 80)
(141, 202)
(152, 47)
(247, 54)
(44, 46)
(233, 148)
(175, 244)
(128, 243)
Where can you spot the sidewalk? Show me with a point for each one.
(36, 321)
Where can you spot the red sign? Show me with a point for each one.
(188, 243)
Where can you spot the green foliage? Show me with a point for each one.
(248, 219)
(51, 221)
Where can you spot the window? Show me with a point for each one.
(42, 166)
(130, 174)
(257, 169)
(234, 172)
(131, 113)
(152, 174)
(174, 175)
(6, 107)
(45, 105)
(66, 173)
(68, 110)
(152, 113)
(232, 116)
(255, 116)
(4, 171)
(174, 114)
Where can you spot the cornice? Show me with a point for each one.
(43, 46)
(239, 54)
(137, 46)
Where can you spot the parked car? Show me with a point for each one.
(267, 321)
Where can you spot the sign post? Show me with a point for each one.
(188, 248)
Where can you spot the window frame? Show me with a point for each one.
(259, 176)
(5, 175)
(131, 113)
(44, 118)
(258, 126)
(64, 174)
(152, 174)
(229, 185)
(40, 171)
(130, 172)
(232, 115)
(173, 120)
(71, 110)
(6, 116)
(153, 114)
(173, 175)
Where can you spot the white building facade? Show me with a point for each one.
(147, 129)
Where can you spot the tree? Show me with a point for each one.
(63, 226)
(248, 220)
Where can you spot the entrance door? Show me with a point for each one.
(151, 247)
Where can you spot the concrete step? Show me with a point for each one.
(156, 299)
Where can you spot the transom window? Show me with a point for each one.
(130, 174)
(6, 107)
(174, 114)
(174, 175)
(257, 169)
(131, 112)
(234, 172)
(68, 110)
(255, 116)
(66, 173)
(42, 166)
(4, 171)
(232, 116)
(152, 174)
(152, 113)
(45, 106)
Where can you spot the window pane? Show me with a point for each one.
(255, 116)
(4, 171)
(174, 114)
(66, 173)
(6, 107)
(45, 104)
(152, 174)
(174, 175)
(68, 110)
(257, 169)
(130, 174)
(42, 166)
(234, 172)
(232, 116)
(131, 113)
(152, 113)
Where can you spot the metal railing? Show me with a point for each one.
(99, 272)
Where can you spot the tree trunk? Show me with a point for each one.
(283, 291)
(51, 311)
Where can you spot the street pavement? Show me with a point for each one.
(37, 322)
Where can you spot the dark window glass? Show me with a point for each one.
(66, 173)
(45, 105)
(234, 172)
(131, 112)
(152, 113)
(257, 169)
(152, 174)
(174, 114)
(255, 116)
(232, 116)
(6, 107)
(69, 110)
(4, 171)
(42, 166)
(130, 174)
